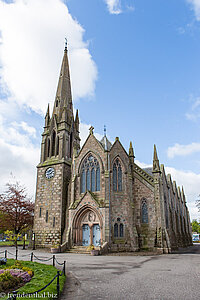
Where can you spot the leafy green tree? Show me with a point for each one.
(195, 226)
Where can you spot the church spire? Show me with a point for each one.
(63, 95)
(156, 165)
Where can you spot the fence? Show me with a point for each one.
(33, 257)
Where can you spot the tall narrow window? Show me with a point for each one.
(57, 147)
(117, 176)
(48, 148)
(116, 230)
(54, 221)
(47, 215)
(88, 180)
(83, 181)
(121, 230)
(114, 177)
(98, 179)
(92, 180)
(144, 212)
(53, 143)
(90, 175)
(40, 212)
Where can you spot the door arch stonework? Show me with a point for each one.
(86, 216)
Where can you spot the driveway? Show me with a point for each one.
(159, 277)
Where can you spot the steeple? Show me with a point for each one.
(63, 98)
(156, 165)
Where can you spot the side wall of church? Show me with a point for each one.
(144, 192)
(122, 212)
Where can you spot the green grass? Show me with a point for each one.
(8, 243)
(43, 274)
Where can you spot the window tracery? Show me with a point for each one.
(117, 176)
(144, 212)
(90, 175)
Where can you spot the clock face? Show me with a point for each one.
(50, 172)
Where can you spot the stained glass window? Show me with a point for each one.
(117, 176)
(116, 230)
(90, 174)
(144, 212)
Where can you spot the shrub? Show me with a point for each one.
(7, 281)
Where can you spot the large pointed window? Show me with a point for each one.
(53, 143)
(144, 212)
(90, 175)
(117, 176)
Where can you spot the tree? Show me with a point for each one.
(195, 226)
(16, 209)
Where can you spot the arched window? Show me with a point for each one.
(144, 210)
(83, 181)
(117, 176)
(53, 143)
(90, 175)
(116, 230)
(121, 230)
(48, 148)
(57, 147)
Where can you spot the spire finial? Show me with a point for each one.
(65, 43)
(104, 130)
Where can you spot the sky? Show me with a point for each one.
(135, 67)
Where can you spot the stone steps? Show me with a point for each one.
(80, 250)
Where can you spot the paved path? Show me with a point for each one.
(161, 277)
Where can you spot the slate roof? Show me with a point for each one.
(106, 143)
(148, 170)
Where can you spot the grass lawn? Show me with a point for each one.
(43, 274)
(8, 243)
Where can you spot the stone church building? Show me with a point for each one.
(97, 194)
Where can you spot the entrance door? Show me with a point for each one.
(86, 235)
(96, 235)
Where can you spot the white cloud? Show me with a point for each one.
(196, 7)
(114, 6)
(183, 150)
(25, 127)
(191, 183)
(31, 49)
(18, 155)
(194, 112)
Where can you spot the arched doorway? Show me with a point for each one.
(87, 227)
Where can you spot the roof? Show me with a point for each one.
(106, 143)
(148, 170)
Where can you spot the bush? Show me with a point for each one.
(7, 281)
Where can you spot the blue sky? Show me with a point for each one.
(135, 66)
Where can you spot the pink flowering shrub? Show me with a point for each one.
(18, 273)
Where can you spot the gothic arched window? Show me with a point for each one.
(48, 147)
(90, 175)
(117, 176)
(57, 147)
(53, 143)
(121, 230)
(116, 230)
(144, 211)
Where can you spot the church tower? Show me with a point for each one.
(60, 139)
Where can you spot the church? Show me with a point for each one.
(97, 195)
